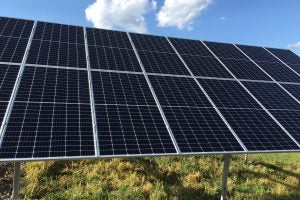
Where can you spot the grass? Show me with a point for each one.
(266, 176)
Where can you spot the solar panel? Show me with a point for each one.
(228, 94)
(12, 49)
(164, 63)
(223, 50)
(51, 116)
(154, 109)
(279, 72)
(285, 55)
(200, 130)
(178, 91)
(290, 120)
(127, 117)
(245, 69)
(190, 47)
(272, 96)
(125, 129)
(258, 130)
(113, 59)
(206, 66)
(107, 38)
(15, 27)
(57, 45)
(151, 43)
(257, 53)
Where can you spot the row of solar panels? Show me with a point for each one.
(151, 95)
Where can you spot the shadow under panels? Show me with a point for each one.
(51, 116)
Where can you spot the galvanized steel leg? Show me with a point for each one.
(246, 159)
(16, 181)
(225, 176)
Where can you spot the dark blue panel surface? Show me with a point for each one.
(257, 53)
(245, 69)
(228, 94)
(132, 130)
(285, 55)
(199, 130)
(257, 130)
(206, 66)
(223, 50)
(12, 49)
(272, 96)
(8, 76)
(10, 27)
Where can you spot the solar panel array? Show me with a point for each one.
(72, 92)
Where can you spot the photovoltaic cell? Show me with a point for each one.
(8, 76)
(228, 94)
(285, 55)
(57, 45)
(121, 89)
(257, 130)
(178, 91)
(51, 116)
(206, 66)
(127, 129)
(12, 49)
(164, 63)
(151, 43)
(295, 67)
(48, 130)
(257, 53)
(279, 72)
(107, 38)
(290, 119)
(10, 27)
(245, 69)
(223, 50)
(272, 96)
(199, 130)
(113, 59)
(190, 47)
(3, 106)
(293, 89)
(59, 33)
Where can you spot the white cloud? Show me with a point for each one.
(181, 13)
(223, 18)
(295, 45)
(120, 14)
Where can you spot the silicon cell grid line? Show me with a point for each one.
(257, 53)
(111, 50)
(245, 69)
(107, 38)
(164, 63)
(128, 120)
(51, 116)
(272, 96)
(206, 66)
(228, 94)
(190, 47)
(258, 131)
(195, 124)
(279, 72)
(293, 89)
(57, 45)
(290, 120)
(285, 55)
(151, 43)
(18, 28)
(113, 59)
(12, 49)
(223, 50)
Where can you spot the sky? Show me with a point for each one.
(270, 23)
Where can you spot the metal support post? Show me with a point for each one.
(16, 181)
(246, 159)
(225, 176)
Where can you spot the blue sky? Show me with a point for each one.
(272, 23)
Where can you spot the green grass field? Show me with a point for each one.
(267, 176)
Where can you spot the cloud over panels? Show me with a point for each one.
(120, 14)
(181, 13)
(294, 45)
